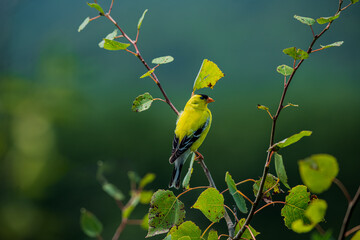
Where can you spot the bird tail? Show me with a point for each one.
(179, 162)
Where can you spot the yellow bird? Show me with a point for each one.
(191, 129)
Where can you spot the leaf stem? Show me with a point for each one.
(237, 220)
(252, 235)
(348, 214)
(351, 231)
(246, 180)
(202, 235)
(188, 190)
(343, 189)
(273, 128)
(268, 204)
(238, 191)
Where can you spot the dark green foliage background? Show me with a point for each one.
(66, 104)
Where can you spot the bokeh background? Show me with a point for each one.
(65, 104)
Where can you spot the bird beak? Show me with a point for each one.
(209, 100)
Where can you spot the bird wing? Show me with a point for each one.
(179, 148)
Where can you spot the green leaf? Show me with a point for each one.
(335, 44)
(238, 198)
(353, 2)
(188, 229)
(145, 197)
(305, 20)
(145, 222)
(115, 45)
(165, 212)
(211, 204)
(213, 235)
(270, 181)
(318, 236)
(284, 70)
(356, 236)
(247, 234)
(113, 191)
(168, 237)
(324, 20)
(83, 24)
(280, 170)
(110, 36)
(208, 75)
(97, 7)
(290, 140)
(186, 181)
(141, 19)
(148, 73)
(90, 225)
(318, 171)
(163, 60)
(133, 176)
(148, 178)
(315, 213)
(142, 103)
(295, 53)
(262, 107)
(296, 203)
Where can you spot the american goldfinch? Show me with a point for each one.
(191, 129)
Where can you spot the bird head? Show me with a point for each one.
(199, 101)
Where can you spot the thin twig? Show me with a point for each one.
(237, 220)
(320, 229)
(343, 189)
(246, 180)
(252, 235)
(351, 231)
(120, 229)
(268, 204)
(188, 190)
(238, 191)
(202, 236)
(139, 56)
(348, 214)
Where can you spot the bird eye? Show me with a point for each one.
(201, 97)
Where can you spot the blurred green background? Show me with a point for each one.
(65, 104)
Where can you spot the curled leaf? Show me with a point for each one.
(324, 20)
(288, 141)
(97, 7)
(115, 45)
(335, 44)
(83, 24)
(141, 19)
(110, 36)
(208, 75)
(148, 73)
(90, 225)
(295, 53)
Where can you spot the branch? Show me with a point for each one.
(229, 223)
(348, 214)
(273, 128)
(343, 189)
(139, 56)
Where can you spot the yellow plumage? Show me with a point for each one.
(191, 129)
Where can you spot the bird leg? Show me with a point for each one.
(199, 156)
